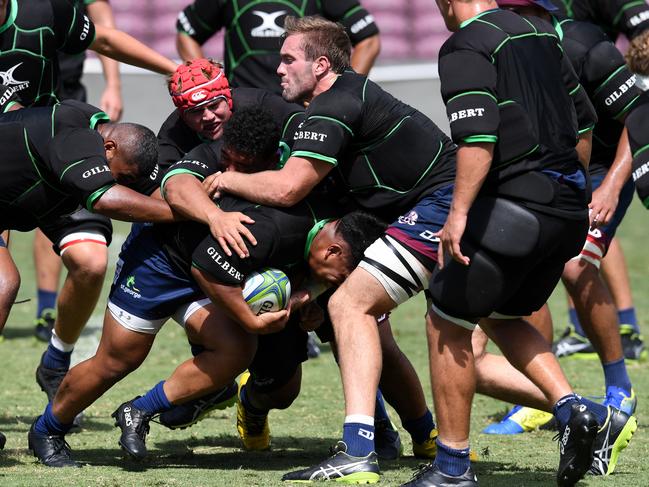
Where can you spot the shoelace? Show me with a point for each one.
(61, 446)
(422, 470)
(255, 423)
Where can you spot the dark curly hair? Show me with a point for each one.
(359, 230)
(252, 132)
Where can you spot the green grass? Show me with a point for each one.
(209, 454)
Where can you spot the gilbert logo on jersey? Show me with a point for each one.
(268, 27)
(7, 79)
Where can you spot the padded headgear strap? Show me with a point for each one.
(198, 83)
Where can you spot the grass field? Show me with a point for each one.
(209, 454)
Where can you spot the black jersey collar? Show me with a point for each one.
(13, 12)
(475, 17)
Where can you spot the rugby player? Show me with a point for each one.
(630, 19)
(162, 271)
(523, 131)
(354, 126)
(46, 262)
(601, 71)
(251, 44)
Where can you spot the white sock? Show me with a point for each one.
(360, 418)
(59, 344)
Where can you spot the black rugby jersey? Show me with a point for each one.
(71, 65)
(636, 124)
(609, 83)
(175, 139)
(29, 40)
(53, 161)
(253, 30)
(281, 233)
(387, 154)
(505, 80)
(628, 17)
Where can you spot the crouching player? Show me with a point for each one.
(163, 273)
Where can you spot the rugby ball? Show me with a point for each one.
(267, 290)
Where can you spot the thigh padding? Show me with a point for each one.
(502, 227)
(468, 291)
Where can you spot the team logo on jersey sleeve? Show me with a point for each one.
(268, 27)
(7, 79)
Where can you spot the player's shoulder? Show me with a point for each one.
(584, 33)
(346, 95)
(37, 14)
(74, 113)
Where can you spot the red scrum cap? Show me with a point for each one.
(198, 82)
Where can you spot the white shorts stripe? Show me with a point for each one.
(458, 321)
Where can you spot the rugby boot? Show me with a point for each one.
(431, 476)
(573, 345)
(49, 379)
(613, 437)
(617, 398)
(253, 429)
(576, 445)
(519, 419)
(633, 344)
(387, 440)
(340, 467)
(44, 324)
(134, 424)
(190, 413)
(427, 450)
(51, 450)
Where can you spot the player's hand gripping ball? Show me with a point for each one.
(267, 290)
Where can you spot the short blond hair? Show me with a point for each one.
(637, 57)
(322, 38)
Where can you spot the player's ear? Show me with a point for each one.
(321, 65)
(334, 250)
(110, 147)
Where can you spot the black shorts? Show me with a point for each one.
(518, 286)
(80, 220)
(278, 357)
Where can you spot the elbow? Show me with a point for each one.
(290, 195)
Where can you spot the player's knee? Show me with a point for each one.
(577, 272)
(86, 263)
(9, 284)
(115, 368)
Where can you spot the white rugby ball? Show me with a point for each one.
(266, 290)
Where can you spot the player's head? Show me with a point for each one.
(251, 141)
(131, 150)
(455, 12)
(339, 245)
(201, 93)
(313, 48)
(637, 57)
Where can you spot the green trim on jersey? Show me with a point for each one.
(305, 153)
(474, 139)
(386, 136)
(378, 184)
(352, 11)
(288, 122)
(468, 21)
(13, 12)
(174, 173)
(331, 119)
(616, 19)
(90, 202)
(586, 129)
(97, 118)
(645, 202)
(575, 89)
(640, 150)
(315, 230)
(603, 83)
(70, 167)
(626, 108)
(284, 154)
(9, 105)
(521, 36)
(473, 93)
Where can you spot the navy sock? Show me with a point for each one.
(380, 413)
(596, 408)
(196, 349)
(250, 408)
(628, 317)
(55, 358)
(46, 300)
(450, 461)
(562, 409)
(155, 401)
(420, 428)
(615, 375)
(574, 321)
(359, 439)
(47, 424)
